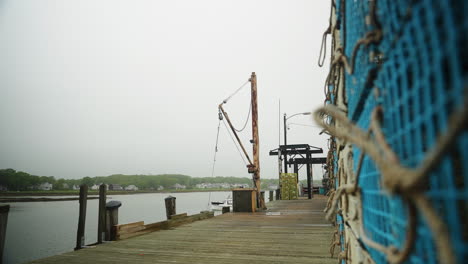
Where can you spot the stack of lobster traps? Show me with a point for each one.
(396, 109)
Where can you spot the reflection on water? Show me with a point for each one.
(40, 229)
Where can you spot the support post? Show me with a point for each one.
(262, 196)
(170, 206)
(278, 192)
(311, 182)
(270, 198)
(80, 234)
(296, 170)
(101, 235)
(285, 144)
(255, 139)
(4, 209)
(309, 169)
(112, 219)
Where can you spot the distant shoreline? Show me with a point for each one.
(40, 199)
(76, 193)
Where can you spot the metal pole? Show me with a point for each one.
(309, 176)
(285, 144)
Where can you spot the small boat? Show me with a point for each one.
(219, 205)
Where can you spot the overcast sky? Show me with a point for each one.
(93, 88)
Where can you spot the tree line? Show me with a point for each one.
(21, 181)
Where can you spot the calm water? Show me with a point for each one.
(40, 229)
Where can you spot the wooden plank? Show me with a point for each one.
(130, 225)
(295, 231)
(138, 228)
(178, 216)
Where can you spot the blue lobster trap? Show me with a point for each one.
(420, 80)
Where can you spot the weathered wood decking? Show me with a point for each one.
(288, 232)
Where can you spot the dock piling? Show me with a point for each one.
(4, 209)
(270, 197)
(278, 191)
(80, 234)
(112, 219)
(102, 214)
(170, 206)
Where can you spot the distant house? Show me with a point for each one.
(3, 188)
(75, 187)
(115, 187)
(65, 186)
(201, 186)
(179, 186)
(160, 188)
(131, 188)
(95, 187)
(45, 186)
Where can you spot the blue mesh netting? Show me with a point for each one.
(355, 28)
(420, 83)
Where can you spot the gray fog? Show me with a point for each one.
(99, 87)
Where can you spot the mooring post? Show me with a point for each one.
(102, 214)
(170, 206)
(278, 192)
(4, 209)
(270, 198)
(262, 197)
(80, 234)
(112, 219)
(226, 209)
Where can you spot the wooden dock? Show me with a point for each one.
(292, 231)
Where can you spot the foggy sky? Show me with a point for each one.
(93, 88)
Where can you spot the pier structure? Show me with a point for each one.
(296, 155)
(292, 231)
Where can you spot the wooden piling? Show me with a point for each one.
(170, 206)
(226, 209)
(278, 192)
(80, 234)
(112, 219)
(102, 214)
(4, 209)
(270, 198)
(262, 197)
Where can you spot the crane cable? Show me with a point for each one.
(216, 149)
(235, 144)
(250, 107)
(234, 93)
(246, 121)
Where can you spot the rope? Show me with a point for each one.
(323, 47)
(238, 150)
(235, 92)
(335, 241)
(396, 178)
(246, 120)
(216, 149)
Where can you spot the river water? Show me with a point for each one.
(41, 229)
